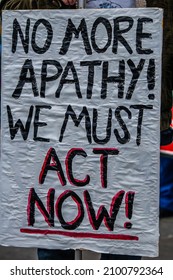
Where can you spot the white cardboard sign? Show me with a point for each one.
(80, 129)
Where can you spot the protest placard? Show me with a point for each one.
(81, 129)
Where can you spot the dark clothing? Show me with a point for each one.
(167, 61)
(47, 254)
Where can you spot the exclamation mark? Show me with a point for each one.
(129, 199)
(151, 77)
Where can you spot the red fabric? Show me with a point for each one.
(168, 149)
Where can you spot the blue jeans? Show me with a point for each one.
(47, 254)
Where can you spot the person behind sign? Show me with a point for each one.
(166, 133)
(61, 4)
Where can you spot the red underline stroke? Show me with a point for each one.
(80, 234)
